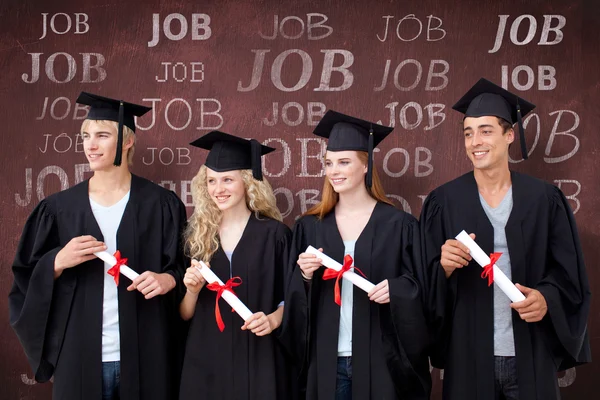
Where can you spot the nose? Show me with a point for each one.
(476, 140)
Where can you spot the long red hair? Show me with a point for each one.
(329, 197)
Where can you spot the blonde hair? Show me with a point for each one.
(202, 232)
(127, 134)
(329, 197)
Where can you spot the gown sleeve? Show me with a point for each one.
(409, 362)
(293, 332)
(38, 305)
(174, 261)
(282, 253)
(565, 285)
(439, 292)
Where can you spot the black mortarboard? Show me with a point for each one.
(229, 152)
(104, 108)
(486, 98)
(349, 133)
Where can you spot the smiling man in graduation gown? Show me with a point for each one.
(98, 339)
(488, 347)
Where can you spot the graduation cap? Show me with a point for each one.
(349, 133)
(229, 152)
(486, 98)
(104, 108)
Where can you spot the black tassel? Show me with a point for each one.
(521, 133)
(119, 153)
(369, 180)
(256, 154)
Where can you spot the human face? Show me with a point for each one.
(345, 170)
(99, 145)
(226, 189)
(485, 142)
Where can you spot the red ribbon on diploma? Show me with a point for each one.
(115, 270)
(332, 273)
(215, 287)
(488, 270)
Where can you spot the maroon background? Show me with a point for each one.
(120, 31)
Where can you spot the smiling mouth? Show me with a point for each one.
(480, 154)
(337, 181)
(222, 199)
(94, 156)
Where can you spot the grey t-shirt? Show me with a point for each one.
(504, 341)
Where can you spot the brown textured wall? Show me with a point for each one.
(326, 55)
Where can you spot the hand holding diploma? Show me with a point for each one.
(224, 290)
(118, 265)
(490, 267)
(337, 270)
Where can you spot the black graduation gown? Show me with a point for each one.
(389, 341)
(236, 364)
(545, 254)
(59, 322)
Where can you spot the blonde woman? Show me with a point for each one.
(236, 229)
(362, 346)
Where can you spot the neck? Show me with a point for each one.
(111, 181)
(358, 199)
(493, 180)
(236, 215)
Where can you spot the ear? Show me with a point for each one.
(127, 144)
(510, 136)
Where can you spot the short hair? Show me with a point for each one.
(127, 133)
(504, 124)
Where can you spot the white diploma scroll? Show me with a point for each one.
(229, 297)
(111, 260)
(483, 259)
(351, 276)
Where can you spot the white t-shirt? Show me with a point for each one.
(345, 331)
(109, 219)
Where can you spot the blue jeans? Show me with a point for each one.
(111, 376)
(506, 378)
(343, 384)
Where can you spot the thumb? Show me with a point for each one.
(472, 236)
(524, 289)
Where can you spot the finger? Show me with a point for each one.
(457, 252)
(459, 259)
(520, 305)
(84, 238)
(529, 315)
(451, 264)
(381, 297)
(145, 284)
(524, 289)
(472, 236)
(376, 292)
(153, 293)
(250, 320)
(152, 286)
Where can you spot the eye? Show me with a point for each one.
(487, 132)
(211, 181)
(344, 162)
(328, 163)
(228, 180)
(468, 134)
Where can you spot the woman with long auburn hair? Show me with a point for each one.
(356, 345)
(236, 230)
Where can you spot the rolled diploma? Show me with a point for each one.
(351, 276)
(111, 260)
(229, 297)
(483, 259)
